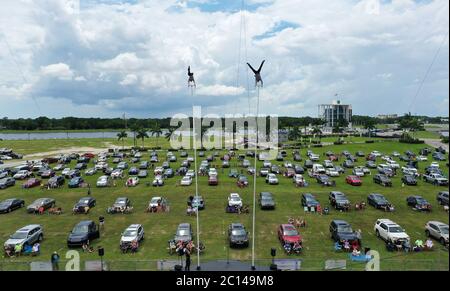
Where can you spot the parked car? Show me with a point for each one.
(117, 174)
(8, 205)
(30, 183)
(72, 174)
(299, 169)
(186, 181)
(237, 235)
(287, 233)
(234, 200)
(371, 165)
(183, 233)
(338, 200)
(158, 181)
(56, 181)
(80, 166)
(197, 202)
(213, 180)
(23, 174)
(341, 230)
(89, 202)
(442, 198)
(349, 164)
(142, 174)
(134, 232)
(104, 181)
(353, 180)
(382, 180)
(271, 179)
(263, 172)
(133, 171)
(7, 182)
(27, 235)
(390, 231)
(419, 203)
(309, 200)
(435, 179)
(122, 165)
(143, 165)
(76, 182)
(45, 203)
(409, 180)
(233, 173)
(308, 164)
(379, 201)
(90, 172)
(437, 230)
(266, 201)
(83, 233)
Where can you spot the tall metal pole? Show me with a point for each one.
(196, 182)
(254, 180)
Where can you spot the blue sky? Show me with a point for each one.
(131, 56)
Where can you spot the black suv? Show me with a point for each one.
(378, 201)
(382, 180)
(237, 235)
(83, 233)
(339, 201)
(9, 205)
(309, 200)
(409, 180)
(419, 203)
(341, 230)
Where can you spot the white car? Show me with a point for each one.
(103, 181)
(267, 164)
(318, 169)
(58, 167)
(158, 181)
(386, 158)
(410, 172)
(3, 157)
(158, 170)
(101, 165)
(358, 172)
(134, 232)
(328, 164)
(234, 200)
(437, 230)
(132, 181)
(288, 165)
(434, 165)
(332, 172)
(390, 231)
(298, 179)
(212, 172)
(23, 174)
(117, 173)
(314, 157)
(376, 153)
(90, 172)
(190, 159)
(154, 202)
(186, 181)
(29, 235)
(190, 173)
(393, 164)
(65, 171)
(271, 179)
(422, 158)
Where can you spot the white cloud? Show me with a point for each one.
(60, 71)
(134, 57)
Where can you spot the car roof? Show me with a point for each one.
(184, 225)
(133, 226)
(237, 225)
(387, 221)
(340, 222)
(285, 226)
(29, 227)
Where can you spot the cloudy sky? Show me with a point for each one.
(104, 58)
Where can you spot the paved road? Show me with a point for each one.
(436, 143)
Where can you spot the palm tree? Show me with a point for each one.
(156, 131)
(369, 125)
(142, 134)
(134, 129)
(169, 133)
(294, 134)
(121, 136)
(317, 131)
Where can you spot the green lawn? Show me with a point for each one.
(160, 228)
(426, 134)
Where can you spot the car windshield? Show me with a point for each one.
(120, 202)
(421, 200)
(235, 198)
(345, 228)
(238, 232)
(6, 203)
(380, 199)
(84, 201)
(80, 229)
(183, 232)
(444, 230)
(290, 232)
(130, 233)
(19, 235)
(395, 229)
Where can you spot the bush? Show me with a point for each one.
(445, 139)
(406, 138)
(370, 141)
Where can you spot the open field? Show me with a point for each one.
(160, 228)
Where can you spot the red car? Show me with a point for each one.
(354, 180)
(213, 181)
(33, 182)
(287, 233)
(89, 155)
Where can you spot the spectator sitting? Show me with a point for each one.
(9, 251)
(418, 245)
(291, 220)
(429, 244)
(390, 246)
(134, 246)
(406, 246)
(355, 244)
(326, 211)
(18, 249)
(87, 248)
(41, 210)
(337, 246)
(36, 249)
(356, 252)
(27, 249)
(346, 245)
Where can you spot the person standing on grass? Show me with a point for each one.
(55, 261)
(101, 221)
(89, 189)
(188, 259)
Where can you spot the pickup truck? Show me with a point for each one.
(436, 179)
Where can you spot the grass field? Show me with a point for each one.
(160, 228)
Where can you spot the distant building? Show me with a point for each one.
(332, 113)
(387, 116)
